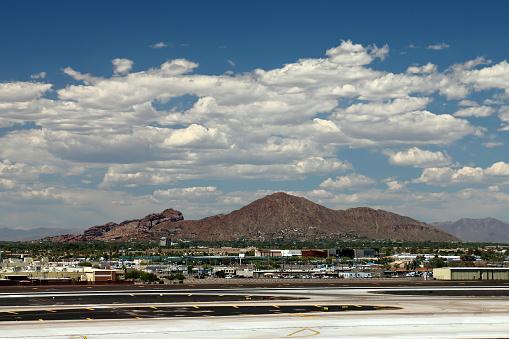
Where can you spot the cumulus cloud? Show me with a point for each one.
(170, 124)
(418, 158)
(479, 112)
(160, 45)
(41, 75)
(122, 66)
(350, 181)
(438, 47)
(22, 91)
(445, 176)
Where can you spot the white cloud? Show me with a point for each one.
(438, 47)
(445, 176)
(22, 91)
(122, 66)
(41, 75)
(479, 112)
(426, 69)
(492, 144)
(468, 103)
(160, 45)
(418, 158)
(350, 181)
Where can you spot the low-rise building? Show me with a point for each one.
(471, 273)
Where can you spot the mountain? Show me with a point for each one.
(477, 230)
(126, 230)
(17, 234)
(279, 216)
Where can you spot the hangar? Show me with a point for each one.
(471, 273)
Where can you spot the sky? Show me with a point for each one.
(111, 110)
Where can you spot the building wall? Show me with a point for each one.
(471, 273)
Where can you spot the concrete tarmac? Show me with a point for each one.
(415, 314)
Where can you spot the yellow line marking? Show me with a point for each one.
(132, 295)
(275, 306)
(41, 320)
(12, 312)
(221, 295)
(304, 330)
(196, 306)
(138, 317)
(89, 287)
(155, 308)
(91, 309)
(304, 315)
(89, 318)
(50, 311)
(235, 306)
(189, 295)
(318, 306)
(344, 306)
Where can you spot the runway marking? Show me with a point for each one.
(456, 304)
(304, 330)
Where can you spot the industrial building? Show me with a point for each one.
(471, 273)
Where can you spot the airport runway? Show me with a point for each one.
(245, 312)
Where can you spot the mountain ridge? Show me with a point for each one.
(279, 216)
(477, 230)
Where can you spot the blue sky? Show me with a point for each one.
(111, 110)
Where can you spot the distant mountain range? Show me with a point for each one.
(278, 216)
(477, 230)
(16, 234)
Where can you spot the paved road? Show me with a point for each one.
(417, 314)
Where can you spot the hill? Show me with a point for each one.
(278, 216)
(18, 234)
(477, 230)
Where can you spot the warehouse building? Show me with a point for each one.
(471, 273)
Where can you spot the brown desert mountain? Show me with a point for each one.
(276, 216)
